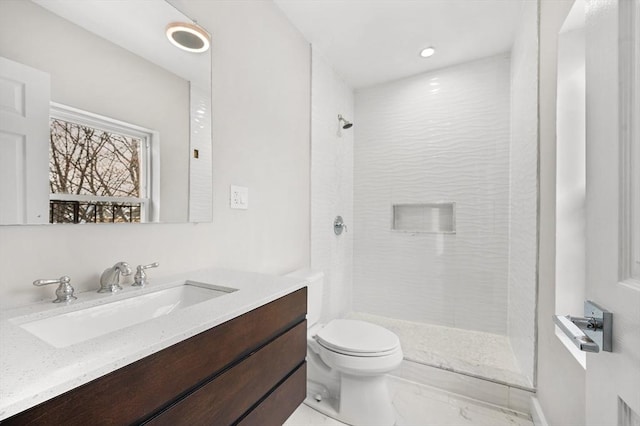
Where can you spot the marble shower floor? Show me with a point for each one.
(474, 353)
(420, 405)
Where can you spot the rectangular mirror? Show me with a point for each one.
(102, 119)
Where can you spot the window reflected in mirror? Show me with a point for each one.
(99, 169)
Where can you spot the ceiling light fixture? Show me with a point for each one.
(189, 37)
(429, 51)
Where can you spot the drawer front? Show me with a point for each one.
(280, 403)
(226, 398)
(135, 392)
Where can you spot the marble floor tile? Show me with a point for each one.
(306, 416)
(419, 405)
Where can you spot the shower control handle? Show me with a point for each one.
(339, 225)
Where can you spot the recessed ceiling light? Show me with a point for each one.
(429, 51)
(189, 37)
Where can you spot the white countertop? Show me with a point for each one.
(32, 371)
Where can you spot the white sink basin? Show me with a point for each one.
(78, 326)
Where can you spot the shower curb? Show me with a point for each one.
(510, 397)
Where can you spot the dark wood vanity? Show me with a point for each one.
(250, 370)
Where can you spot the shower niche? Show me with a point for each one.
(438, 218)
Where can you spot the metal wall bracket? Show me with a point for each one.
(590, 333)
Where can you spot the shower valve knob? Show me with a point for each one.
(339, 225)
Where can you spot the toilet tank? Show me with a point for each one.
(315, 288)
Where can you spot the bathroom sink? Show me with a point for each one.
(78, 326)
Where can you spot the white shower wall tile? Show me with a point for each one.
(440, 136)
(331, 184)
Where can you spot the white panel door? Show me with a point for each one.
(24, 143)
(613, 197)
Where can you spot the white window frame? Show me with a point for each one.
(149, 159)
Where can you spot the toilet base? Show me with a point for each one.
(363, 401)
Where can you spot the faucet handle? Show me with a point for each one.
(140, 279)
(64, 292)
(151, 265)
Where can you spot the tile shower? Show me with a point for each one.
(441, 280)
(442, 217)
(437, 137)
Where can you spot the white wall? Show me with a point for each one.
(95, 75)
(561, 380)
(331, 185)
(523, 178)
(261, 110)
(438, 136)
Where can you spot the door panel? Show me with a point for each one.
(24, 143)
(613, 378)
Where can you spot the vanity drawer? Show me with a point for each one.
(138, 391)
(281, 402)
(227, 397)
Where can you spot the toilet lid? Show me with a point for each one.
(359, 338)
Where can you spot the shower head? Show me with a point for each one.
(345, 124)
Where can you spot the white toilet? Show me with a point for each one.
(347, 363)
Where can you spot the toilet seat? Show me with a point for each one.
(357, 338)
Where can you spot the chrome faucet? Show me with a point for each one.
(64, 292)
(140, 279)
(110, 279)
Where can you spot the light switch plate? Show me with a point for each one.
(239, 197)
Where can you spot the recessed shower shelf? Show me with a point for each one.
(438, 218)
